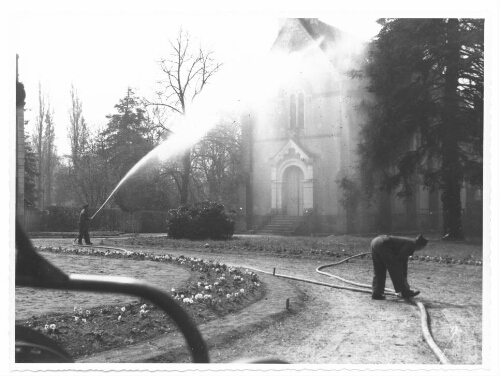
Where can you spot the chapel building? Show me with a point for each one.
(302, 139)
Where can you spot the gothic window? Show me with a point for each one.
(300, 111)
(297, 111)
(293, 112)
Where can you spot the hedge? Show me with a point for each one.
(203, 220)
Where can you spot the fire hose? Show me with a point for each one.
(424, 318)
(360, 287)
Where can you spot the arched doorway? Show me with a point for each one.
(292, 191)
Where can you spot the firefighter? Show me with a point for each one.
(390, 253)
(83, 225)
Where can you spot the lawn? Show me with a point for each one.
(342, 245)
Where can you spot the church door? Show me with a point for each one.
(293, 198)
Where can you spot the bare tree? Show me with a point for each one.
(77, 129)
(50, 157)
(38, 141)
(87, 177)
(43, 141)
(187, 70)
(215, 164)
(91, 180)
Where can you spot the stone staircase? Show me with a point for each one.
(281, 225)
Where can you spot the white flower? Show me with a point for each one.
(123, 309)
(74, 309)
(77, 318)
(228, 296)
(242, 291)
(119, 318)
(84, 320)
(235, 294)
(87, 312)
(199, 284)
(173, 290)
(53, 326)
(144, 306)
(46, 326)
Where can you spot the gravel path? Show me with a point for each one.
(343, 327)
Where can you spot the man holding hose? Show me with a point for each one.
(83, 225)
(390, 253)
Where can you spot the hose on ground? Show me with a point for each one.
(367, 289)
(424, 318)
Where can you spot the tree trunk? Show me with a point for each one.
(186, 171)
(452, 174)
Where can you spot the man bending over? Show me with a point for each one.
(390, 253)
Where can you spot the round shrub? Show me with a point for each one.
(202, 220)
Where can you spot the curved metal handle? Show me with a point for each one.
(32, 270)
(132, 286)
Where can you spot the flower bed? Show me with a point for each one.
(214, 289)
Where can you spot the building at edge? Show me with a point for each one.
(300, 141)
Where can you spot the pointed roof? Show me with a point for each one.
(322, 32)
(312, 30)
(292, 150)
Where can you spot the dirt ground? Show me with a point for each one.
(333, 326)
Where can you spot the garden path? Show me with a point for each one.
(334, 326)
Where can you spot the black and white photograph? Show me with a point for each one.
(212, 188)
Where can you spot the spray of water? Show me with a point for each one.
(254, 86)
(232, 91)
(187, 131)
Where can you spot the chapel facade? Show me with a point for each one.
(301, 142)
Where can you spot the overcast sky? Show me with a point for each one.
(103, 47)
(103, 52)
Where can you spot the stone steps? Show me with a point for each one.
(282, 225)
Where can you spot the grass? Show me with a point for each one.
(343, 245)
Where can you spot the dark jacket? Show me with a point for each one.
(84, 218)
(399, 247)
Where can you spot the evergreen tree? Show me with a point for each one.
(427, 120)
(125, 142)
(124, 137)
